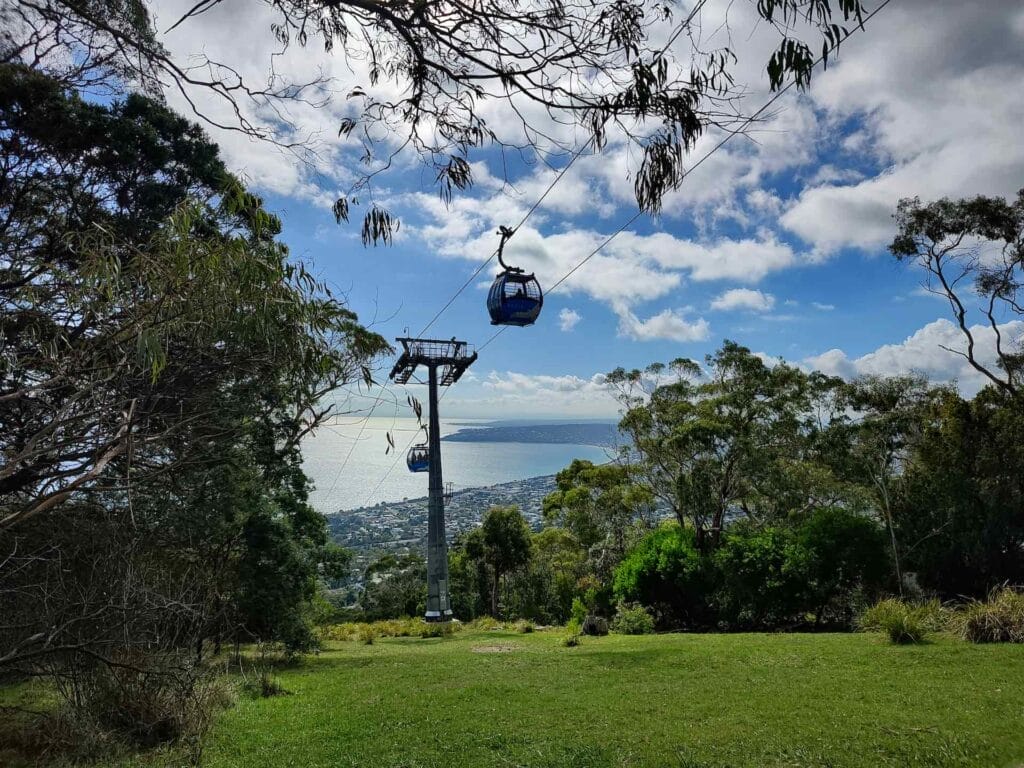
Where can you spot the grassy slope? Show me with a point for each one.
(673, 700)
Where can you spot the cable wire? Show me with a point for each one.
(672, 38)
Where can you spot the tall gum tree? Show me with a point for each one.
(734, 437)
(973, 246)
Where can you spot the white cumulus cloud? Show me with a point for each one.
(667, 324)
(929, 82)
(568, 318)
(537, 395)
(744, 298)
(930, 351)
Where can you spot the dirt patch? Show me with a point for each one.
(494, 648)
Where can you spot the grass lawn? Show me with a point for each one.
(504, 699)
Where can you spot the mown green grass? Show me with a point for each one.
(685, 701)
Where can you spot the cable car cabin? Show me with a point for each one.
(515, 298)
(418, 458)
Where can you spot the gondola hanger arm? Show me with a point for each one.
(506, 234)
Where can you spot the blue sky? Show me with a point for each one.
(777, 241)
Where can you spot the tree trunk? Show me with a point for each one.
(494, 593)
(892, 534)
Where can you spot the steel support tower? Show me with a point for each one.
(445, 362)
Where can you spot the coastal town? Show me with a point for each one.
(400, 527)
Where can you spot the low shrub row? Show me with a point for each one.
(999, 619)
(903, 622)
(367, 632)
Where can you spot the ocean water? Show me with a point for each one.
(370, 475)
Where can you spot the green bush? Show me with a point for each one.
(758, 575)
(366, 634)
(262, 683)
(840, 556)
(486, 624)
(632, 619)
(666, 572)
(571, 639)
(390, 628)
(579, 612)
(903, 622)
(1000, 619)
(771, 576)
(819, 568)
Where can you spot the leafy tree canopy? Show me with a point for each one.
(163, 356)
(737, 436)
(599, 504)
(502, 544)
(638, 70)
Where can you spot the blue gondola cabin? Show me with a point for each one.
(418, 458)
(515, 298)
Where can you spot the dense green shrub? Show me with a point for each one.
(838, 555)
(667, 573)
(632, 619)
(758, 574)
(772, 576)
(1000, 619)
(597, 594)
(543, 591)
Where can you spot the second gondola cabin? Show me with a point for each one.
(515, 297)
(418, 458)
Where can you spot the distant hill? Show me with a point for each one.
(602, 434)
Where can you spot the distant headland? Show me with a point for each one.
(602, 434)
